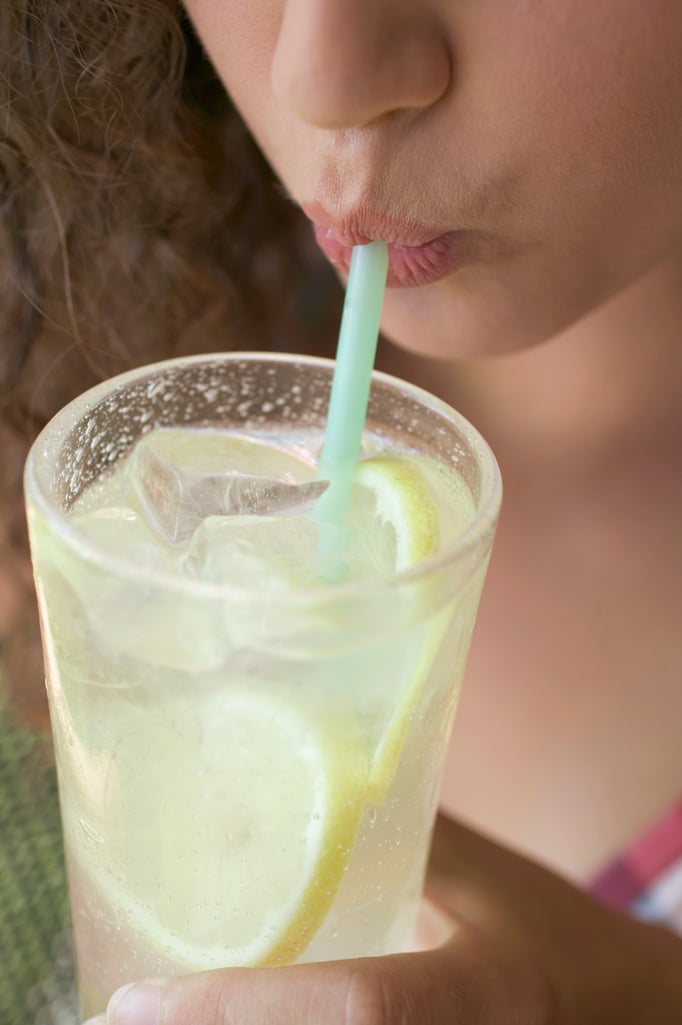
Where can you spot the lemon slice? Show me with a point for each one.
(389, 750)
(247, 849)
(404, 501)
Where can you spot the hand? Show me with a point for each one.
(522, 947)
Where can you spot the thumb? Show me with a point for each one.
(463, 982)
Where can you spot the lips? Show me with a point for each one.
(417, 255)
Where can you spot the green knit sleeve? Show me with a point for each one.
(33, 895)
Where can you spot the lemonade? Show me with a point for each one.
(249, 754)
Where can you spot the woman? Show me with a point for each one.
(524, 160)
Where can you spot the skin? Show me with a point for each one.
(494, 955)
(551, 133)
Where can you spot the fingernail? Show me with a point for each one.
(136, 1004)
(100, 1019)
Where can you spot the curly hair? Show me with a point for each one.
(137, 221)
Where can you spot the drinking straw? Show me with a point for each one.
(356, 350)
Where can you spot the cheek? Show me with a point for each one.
(586, 97)
(504, 306)
(240, 37)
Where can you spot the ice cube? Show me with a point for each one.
(272, 552)
(121, 531)
(268, 552)
(177, 499)
(141, 619)
(277, 557)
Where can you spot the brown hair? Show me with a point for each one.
(137, 221)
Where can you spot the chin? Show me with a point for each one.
(461, 329)
(475, 315)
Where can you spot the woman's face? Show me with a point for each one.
(523, 156)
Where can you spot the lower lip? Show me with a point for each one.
(408, 266)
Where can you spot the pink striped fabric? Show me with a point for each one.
(647, 878)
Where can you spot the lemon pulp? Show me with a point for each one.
(248, 818)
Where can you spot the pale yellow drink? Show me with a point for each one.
(249, 755)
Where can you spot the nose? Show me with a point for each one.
(342, 64)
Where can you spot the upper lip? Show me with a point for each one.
(360, 225)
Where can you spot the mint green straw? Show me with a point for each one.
(349, 397)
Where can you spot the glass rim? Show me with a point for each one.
(473, 537)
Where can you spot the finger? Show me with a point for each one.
(519, 902)
(597, 958)
(463, 982)
(503, 892)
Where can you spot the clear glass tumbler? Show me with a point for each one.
(246, 776)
